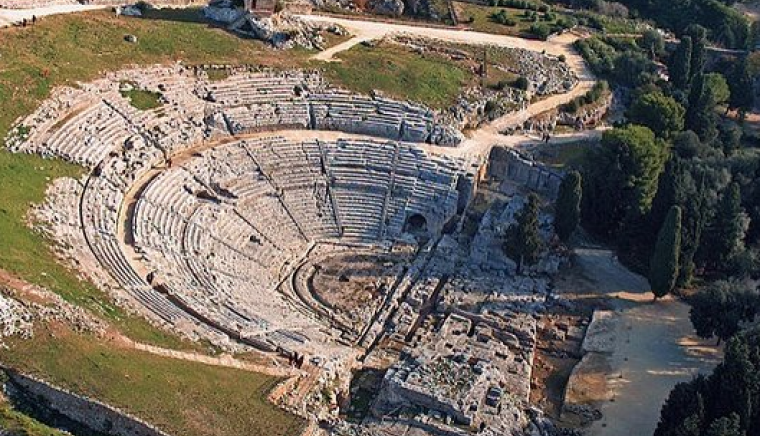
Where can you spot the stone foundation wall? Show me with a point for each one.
(507, 164)
(93, 414)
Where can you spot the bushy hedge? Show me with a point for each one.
(502, 17)
(520, 4)
(596, 93)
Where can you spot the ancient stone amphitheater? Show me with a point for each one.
(199, 213)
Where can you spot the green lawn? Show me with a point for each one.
(18, 424)
(180, 397)
(400, 73)
(142, 99)
(482, 21)
(568, 155)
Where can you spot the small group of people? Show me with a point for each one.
(26, 22)
(296, 360)
(545, 137)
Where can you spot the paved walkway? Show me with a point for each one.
(655, 348)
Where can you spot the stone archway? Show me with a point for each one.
(416, 224)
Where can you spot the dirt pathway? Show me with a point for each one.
(655, 347)
(36, 294)
(482, 139)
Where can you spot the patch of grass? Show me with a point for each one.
(180, 397)
(400, 73)
(64, 49)
(567, 155)
(482, 19)
(18, 424)
(142, 99)
(217, 75)
(28, 255)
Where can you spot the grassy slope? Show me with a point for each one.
(483, 23)
(18, 424)
(62, 50)
(180, 397)
(399, 73)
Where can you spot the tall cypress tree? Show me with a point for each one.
(522, 242)
(692, 226)
(700, 115)
(740, 83)
(663, 270)
(568, 206)
(680, 64)
(698, 36)
(671, 190)
(725, 234)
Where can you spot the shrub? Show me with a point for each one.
(521, 83)
(540, 30)
(490, 107)
(502, 17)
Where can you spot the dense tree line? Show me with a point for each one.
(728, 26)
(676, 149)
(677, 189)
(726, 403)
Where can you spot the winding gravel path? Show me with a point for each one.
(11, 16)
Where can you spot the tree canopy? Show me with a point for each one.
(568, 206)
(719, 309)
(661, 113)
(727, 403)
(621, 178)
(663, 270)
(522, 241)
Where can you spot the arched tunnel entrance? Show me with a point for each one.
(416, 224)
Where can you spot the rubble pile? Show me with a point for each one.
(15, 320)
(282, 30)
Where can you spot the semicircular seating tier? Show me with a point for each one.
(219, 218)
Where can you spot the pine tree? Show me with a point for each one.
(663, 270)
(726, 426)
(680, 64)
(683, 410)
(523, 242)
(568, 206)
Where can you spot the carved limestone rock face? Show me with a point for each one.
(388, 7)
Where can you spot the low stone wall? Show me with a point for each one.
(152, 2)
(28, 4)
(90, 413)
(507, 164)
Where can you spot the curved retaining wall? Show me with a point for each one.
(97, 416)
